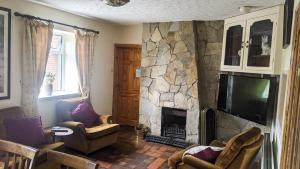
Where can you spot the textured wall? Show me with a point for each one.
(169, 75)
(209, 50)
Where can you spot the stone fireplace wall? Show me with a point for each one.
(180, 69)
(169, 75)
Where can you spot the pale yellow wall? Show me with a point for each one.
(102, 82)
(131, 34)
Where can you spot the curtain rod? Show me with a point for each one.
(59, 23)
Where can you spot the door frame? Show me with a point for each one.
(115, 74)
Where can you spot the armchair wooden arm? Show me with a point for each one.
(105, 119)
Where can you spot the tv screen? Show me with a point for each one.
(250, 98)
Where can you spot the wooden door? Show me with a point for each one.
(126, 84)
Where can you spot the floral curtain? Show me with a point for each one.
(37, 37)
(85, 44)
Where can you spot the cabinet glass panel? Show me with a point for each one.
(233, 46)
(260, 43)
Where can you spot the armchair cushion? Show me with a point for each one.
(27, 131)
(85, 114)
(198, 163)
(65, 107)
(101, 130)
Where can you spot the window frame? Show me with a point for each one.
(62, 93)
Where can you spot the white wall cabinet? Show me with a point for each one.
(252, 42)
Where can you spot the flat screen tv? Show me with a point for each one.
(251, 98)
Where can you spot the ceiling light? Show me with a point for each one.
(115, 3)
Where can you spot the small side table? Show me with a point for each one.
(60, 132)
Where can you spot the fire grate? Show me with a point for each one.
(167, 140)
(174, 132)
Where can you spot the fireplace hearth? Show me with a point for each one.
(173, 128)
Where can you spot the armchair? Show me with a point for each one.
(16, 112)
(83, 139)
(238, 153)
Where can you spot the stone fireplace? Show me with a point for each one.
(180, 69)
(173, 123)
(169, 76)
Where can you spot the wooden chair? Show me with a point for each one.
(13, 155)
(58, 160)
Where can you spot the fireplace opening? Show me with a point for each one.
(173, 123)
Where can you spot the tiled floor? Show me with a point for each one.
(132, 152)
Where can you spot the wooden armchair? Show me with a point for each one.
(13, 155)
(58, 160)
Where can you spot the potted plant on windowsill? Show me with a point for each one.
(50, 77)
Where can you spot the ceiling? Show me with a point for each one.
(138, 11)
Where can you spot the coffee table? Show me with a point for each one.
(60, 132)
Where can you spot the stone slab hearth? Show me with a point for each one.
(169, 75)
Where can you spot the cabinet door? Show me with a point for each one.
(260, 41)
(233, 40)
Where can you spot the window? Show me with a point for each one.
(61, 77)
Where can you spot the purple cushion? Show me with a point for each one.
(27, 131)
(207, 154)
(85, 114)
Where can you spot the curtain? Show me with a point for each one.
(85, 44)
(291, 129)
(37, 37)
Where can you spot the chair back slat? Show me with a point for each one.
(17, 155)
(70, 161)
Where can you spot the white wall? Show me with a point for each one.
(102, 82)
(277, 129)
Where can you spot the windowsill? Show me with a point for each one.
(59, 95)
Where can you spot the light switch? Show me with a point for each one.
(138, 72)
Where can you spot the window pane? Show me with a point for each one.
(56, 44)
(61, 63)
(233, 45)
(54, 67)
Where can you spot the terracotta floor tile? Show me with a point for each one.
(157, 163)
(131, 152)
